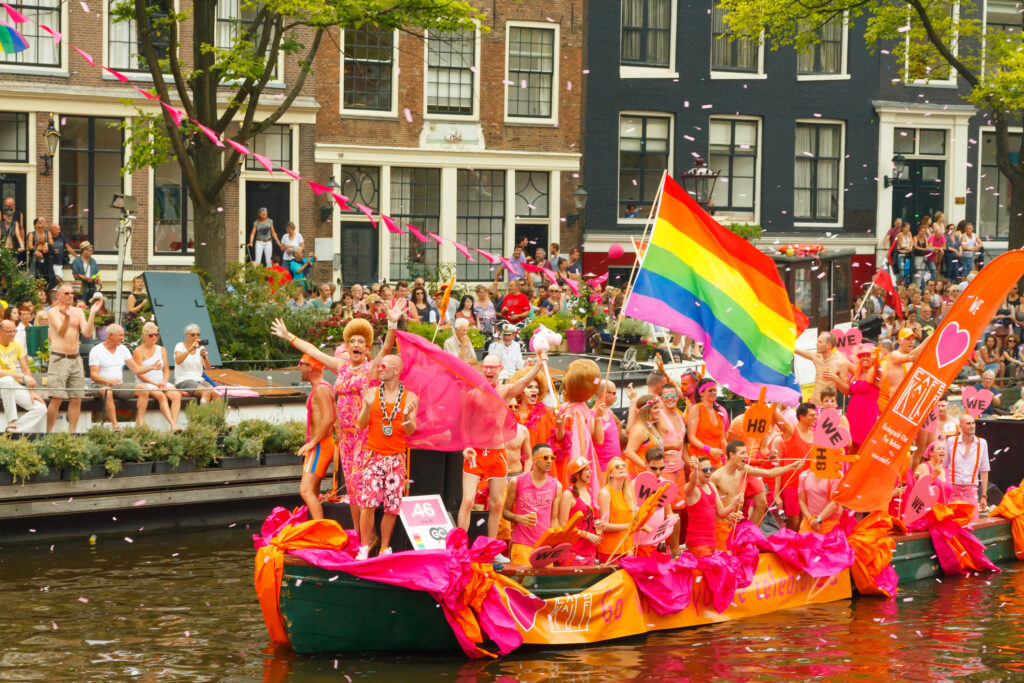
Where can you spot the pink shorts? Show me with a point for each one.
(383, 479)
(791, 502)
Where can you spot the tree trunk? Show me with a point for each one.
(210, 234)
(1015, 239)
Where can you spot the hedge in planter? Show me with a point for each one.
(70, 453)
(20, 458)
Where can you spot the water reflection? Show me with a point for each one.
(168, 607)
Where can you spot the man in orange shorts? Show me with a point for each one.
(319, 447)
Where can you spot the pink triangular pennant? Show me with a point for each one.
(116, 74)
(290, 172)
(366, 211)
(209, 133)
(508, 265)
(317, 188)
(16, 16)
(390, 223)
(530, 268)
(57, 35)
(85, 55)
(342, 201)
(176, 114)
(571, 284)
(550, 275)
(264, 162)
(486, 254)
(238, 147)
(145, 93)
(436, 238)
(462, 249)
(416, 233)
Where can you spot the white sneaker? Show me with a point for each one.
(364, 552)
(500, 559)
(386, 551)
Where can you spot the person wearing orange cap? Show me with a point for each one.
(531, 504)
(318, 450)
(576, 498)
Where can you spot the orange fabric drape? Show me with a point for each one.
(873, 551)
(316, 533)
(1012, 508)
(962, 514)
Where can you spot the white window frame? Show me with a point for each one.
(841, 180)
(395, 71)
(719, 75)
(758, 170)
(144, 76)
(978, 187)
(618, 156)
(950, 82)
(276, 81)
(60, 70)
(844, 69)
(670, 71)
(475, 116)
(533, 120)
(261, 175)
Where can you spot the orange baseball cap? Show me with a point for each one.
(577, 464)
(907, 332)
(311, 362)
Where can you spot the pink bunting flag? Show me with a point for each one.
(176, 114)
(530, 268)
(238, 147)
(209, 133)
(145, 93)
(116, 74)
(391, 225)
(342, 201)
(508, 265)
(366, 211)
(550, 275)
(85, 55)
(317, 188)
(416, 233)
(462, 249)
(16, 16)
(571, 284)
(290, 172)
(486, 254)
(57, 35)
(264, 162)
(436, 238)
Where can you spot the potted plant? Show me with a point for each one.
(168, 453)
(631, 331)
(76, 457)
(19, 460)
(240, 451)
(643, 350)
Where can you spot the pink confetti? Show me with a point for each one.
(85, 7)
(128, 540)
(140, 502)
(408, 115)
(83, 599)
(187, 633)
(54, 624)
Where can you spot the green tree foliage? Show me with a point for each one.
(222, 86)
(926, 40)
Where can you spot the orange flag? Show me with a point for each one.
(870, 481)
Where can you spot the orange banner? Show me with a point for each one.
(869, 483)
(614, 608)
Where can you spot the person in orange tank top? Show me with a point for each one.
(705, 425)
(318, 450)
(390, 413)
(645, 433)
(797, 442)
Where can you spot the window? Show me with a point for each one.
(42, 49)
(13, 137)
(416, 199)
(531, 72)
(816, 172)
(124, 50)
(368, 69)
(480, 220)
(532, 193)
(994, 189)
(644, 143)
(733, 153)
(646, 33)
(730, 55)
(826, 56)
(276, 143)
(923, 141)
(361, 184)
(451, 62)
(922, 61)
(91, 156)
(172, 211)
(233, 18)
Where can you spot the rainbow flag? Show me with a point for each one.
(701, 280)
(10, 40)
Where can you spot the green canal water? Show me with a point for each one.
(160, 607)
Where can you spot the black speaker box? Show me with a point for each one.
(870, 328)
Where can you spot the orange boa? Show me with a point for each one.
(1012, 508)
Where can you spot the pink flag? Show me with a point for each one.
(290, 172)
(85, 55)
(116, 74)
(145, 93)
(317, 188)
(530, 268)
(176, 114)
(457, 407)
(550, 275)
(391, 225)
(238, 147)
(416, 233)
(264, 162)
(598, 280)
(486, 254)
(342, 201)
(57, 35)
(209, 133)
(509, 266)
(464, 251)
(16, 16)
(571, 284)
(366, 211)
(436, 238)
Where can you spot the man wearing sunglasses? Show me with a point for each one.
(531, 504)
(704, 506)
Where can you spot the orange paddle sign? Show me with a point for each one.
(561, 534)
(648, 508)
(758, 417)
(826, 463)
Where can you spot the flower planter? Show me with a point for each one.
(577, 340)
(164, 467)
(232, 463)
(563, 347)
(54, 475)
(6, 478)
(94, 472)
(134, 469)
(643, 352)
(277, 459)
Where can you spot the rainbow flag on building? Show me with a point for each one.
(701, 280)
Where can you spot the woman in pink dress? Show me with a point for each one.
(862, 410)
(607, 427)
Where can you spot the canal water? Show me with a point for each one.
(181, 607)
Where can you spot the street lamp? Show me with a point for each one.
(579, 200)
(699, 181)
(52, 137)
(899, 164)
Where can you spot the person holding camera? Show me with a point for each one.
(300, 268)
(190, 361)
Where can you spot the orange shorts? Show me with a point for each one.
(489, 463)
(319, 458)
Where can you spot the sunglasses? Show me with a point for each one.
(707, 470)
(655, 469)
(152, 334)
(547, 458)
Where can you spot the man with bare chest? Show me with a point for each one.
(65, 376)
(730, 479)
(830, 368)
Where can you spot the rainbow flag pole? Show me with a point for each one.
(701, 280)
